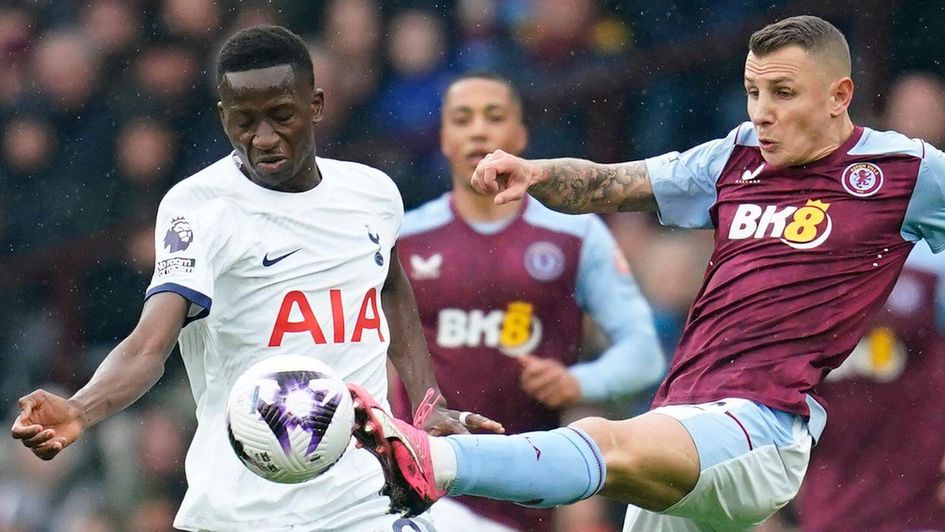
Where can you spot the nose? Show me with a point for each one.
(265, 138)
(761, 111)
(479, 127)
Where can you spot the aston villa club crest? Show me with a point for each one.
(544, 261)
(862, 179)
(179, 235)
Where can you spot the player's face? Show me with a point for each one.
(790, 104)
(479, 116)
(269, 116)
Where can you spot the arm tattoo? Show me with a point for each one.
(574, 186)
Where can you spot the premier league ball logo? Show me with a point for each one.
(862, 179)
(179, 236)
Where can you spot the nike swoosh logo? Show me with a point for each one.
(267, 262)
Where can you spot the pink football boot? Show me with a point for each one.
(402, 449)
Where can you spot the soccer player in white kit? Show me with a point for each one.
(270, 250)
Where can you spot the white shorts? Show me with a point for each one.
(752, 460)
(451, 516)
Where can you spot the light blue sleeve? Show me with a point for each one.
(925, 215)
(684, 183)
(634, 361)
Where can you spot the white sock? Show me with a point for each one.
(443, 457)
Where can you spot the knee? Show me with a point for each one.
(604, 433)
(614, 446)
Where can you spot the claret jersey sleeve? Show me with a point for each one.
(684, 184)
(190, 244)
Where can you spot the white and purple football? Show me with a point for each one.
(289, 418)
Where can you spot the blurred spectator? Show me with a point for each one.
(254, 14)
(28, 145)
(481, 45)
(65, 67)
(408, 104)
(916, 107)
(145, 157)
(352, 32)
(192, 19)
(112, 26)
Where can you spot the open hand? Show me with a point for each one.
(549, 382)
(47, 423)
(443, 421)
(504, 175)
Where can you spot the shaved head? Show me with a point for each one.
(819, 38)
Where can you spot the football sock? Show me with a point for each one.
(444, 460)
(539, 469)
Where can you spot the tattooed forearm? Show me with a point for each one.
(575, 185)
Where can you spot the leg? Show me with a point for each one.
(651, 459)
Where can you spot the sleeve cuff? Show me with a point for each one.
(201, 301)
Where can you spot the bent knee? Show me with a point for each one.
(601, 430)
(651, 460)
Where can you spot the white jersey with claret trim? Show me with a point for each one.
(270, 273)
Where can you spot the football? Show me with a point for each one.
(289, 418)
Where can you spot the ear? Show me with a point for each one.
(220, 112)
(841, 94)
(318, 105)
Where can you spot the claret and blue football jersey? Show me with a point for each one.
(804, 257)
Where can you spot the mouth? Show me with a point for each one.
(475, 157)
(766, 144)
(271, 163)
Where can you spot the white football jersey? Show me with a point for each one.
(270, 273)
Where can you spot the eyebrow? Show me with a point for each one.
(774, 81)
(490, 107)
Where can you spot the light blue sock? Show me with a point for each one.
(539, 469)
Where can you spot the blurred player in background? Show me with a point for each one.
(814, 218)
(889, 391)
(879, 465)
(508, 348)
(270, 250)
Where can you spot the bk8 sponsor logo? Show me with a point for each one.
(801, 228)
(515, 331)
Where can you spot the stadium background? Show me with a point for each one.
(104, 104)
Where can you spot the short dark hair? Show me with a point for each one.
(490, 76)
(812, 34)
(262, 47)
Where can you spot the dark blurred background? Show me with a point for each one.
(105, 104)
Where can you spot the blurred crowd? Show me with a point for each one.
(105, 104)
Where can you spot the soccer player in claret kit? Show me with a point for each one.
(813, 218)
(507, 347)
(268, 251)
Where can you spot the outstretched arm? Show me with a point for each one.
(566, 185)
(48, 423)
